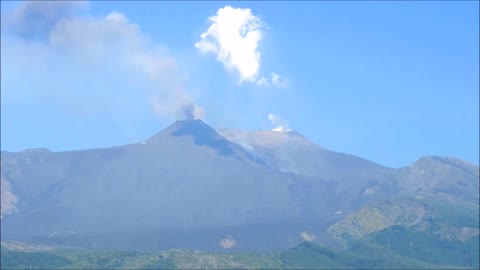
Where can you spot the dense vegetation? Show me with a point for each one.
(389, 248)
(33, 260)
(422, 246)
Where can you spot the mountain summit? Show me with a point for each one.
(201, 135)
(198, 131)
(192, 127)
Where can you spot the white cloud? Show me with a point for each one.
(104, 51)
(279, 81)
(280, 124)
(263, 81)
(276, 80)
(234, 37)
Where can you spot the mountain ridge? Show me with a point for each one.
(221, 131)
(192, 177)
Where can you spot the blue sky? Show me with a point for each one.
(387, 81)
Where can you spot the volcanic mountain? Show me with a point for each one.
(189, 185)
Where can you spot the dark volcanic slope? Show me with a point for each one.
(184, 176)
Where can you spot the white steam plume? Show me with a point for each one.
(280, 124)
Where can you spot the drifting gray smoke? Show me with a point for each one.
(192, 111)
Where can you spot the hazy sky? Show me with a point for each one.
(388, 81)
